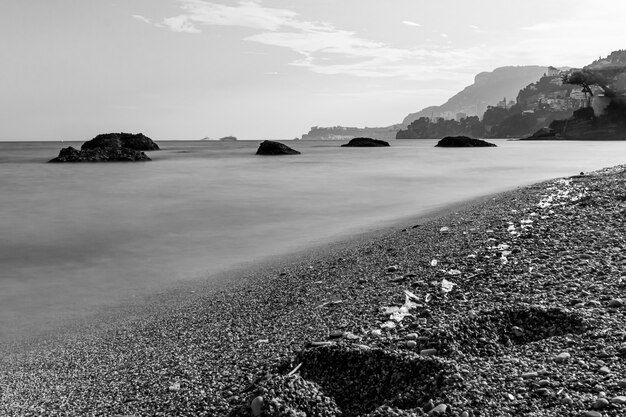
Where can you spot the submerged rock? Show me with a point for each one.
(366, 142)
(269, 147)
(462, 142)
(110, 147)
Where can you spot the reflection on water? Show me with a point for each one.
(76, 237)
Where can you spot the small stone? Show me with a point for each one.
(604, 370)
(562, 357)
(517, 331)
(530, 375)
(592, 414)
(376, 332)
(428, 406)
(256, 406)
(392, 268)
(322, 343)
(622, 383)
(616, 303)
(600, 403)
(428, 352)
(411, 344)
(543, 383)
(620, 399)
(464, 414)
(175, 386)
(510, 396)
(412, 336)
(567, 400)
(335, 334)
(444, 229)
(440, 409)
(594, 303)
(543, 391)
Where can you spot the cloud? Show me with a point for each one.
(322, 47)
(180, 24)
(142, 19)
(410, 23)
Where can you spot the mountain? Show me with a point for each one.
(488, 89)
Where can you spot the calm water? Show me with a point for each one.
(78, 237)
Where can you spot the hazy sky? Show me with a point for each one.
(185, 69)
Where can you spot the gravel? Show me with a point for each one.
(509, 306)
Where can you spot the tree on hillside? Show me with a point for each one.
(586, 78)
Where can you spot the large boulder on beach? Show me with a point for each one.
(269, 147)
(366, 143)
(138, 141)
(110, 147)
(462, 142)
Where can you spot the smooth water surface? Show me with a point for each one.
(78, 237)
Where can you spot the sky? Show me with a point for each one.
(268, 69)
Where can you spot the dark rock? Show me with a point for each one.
(109, 154)
(545, 133)
(366, 142)
(138, 142)
(462, 142)
(586, 125)
(109, 147)
(269, 147)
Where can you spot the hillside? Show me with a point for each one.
(488, 89)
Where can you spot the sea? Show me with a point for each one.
(77, 239)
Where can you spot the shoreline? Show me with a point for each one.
(197, 353)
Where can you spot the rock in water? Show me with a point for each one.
(366, 142)
(71, 154)
(120, 147)
(269, 147)
(138, 141)
(462, 142)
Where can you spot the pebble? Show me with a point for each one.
(428, 352)
(620, 399)
(622, 383)
(567, 400)
(428, 406)
(412, 336)
(392, 268)
(440, 409)
(592, 414)
(335, 334)
(543, 383)
(562, 357)
(411, 344)
(543, 391)
(530, 375)
(600, 403)
(616, 303)
(256, 406)
(604, 370)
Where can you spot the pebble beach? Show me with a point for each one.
(507, 306)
